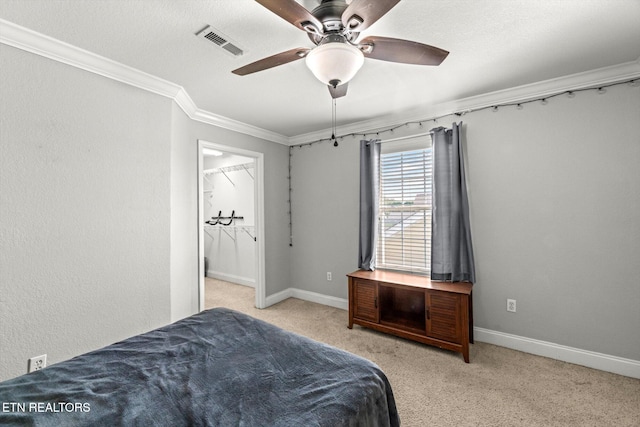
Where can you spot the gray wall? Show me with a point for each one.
(98, 210)
(555, 202)
(184, 228)
(84, 210)
(185, 134)
(554, 196)
(275, 195)
(325, 205)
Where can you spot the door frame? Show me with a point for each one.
(258, 194)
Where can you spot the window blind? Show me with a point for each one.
(404, 231)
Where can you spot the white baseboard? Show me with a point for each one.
(246, 281)
(308, 296)
(320, 298)
(590, 359)
(278, 297)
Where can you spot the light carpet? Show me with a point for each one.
(433, 387)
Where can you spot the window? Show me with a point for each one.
(404, 230)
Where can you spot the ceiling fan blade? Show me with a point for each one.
(338, 91)
(273, 61)
(361, 14)
(404, 51)
(295, 13)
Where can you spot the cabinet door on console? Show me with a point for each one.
(443, 316)
(365, 300)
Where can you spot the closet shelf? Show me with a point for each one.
(223, 170)
(248, 229)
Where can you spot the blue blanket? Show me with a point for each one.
(216, 368)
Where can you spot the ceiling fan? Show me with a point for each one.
(334, 27)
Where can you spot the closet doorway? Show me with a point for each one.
(231, 217)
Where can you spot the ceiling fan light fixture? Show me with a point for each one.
(335, 61)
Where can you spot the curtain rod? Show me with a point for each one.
(400, 138)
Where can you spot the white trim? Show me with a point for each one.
(239, 280)
(330, 301)
(260, 285)
(320, 298)
(603, 362)
(234, 125)
(590, 359)
(593, 78)
(200, 221)
(28, 40)
(48, 47)
(279, 297)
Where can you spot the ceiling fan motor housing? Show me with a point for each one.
(329, 13)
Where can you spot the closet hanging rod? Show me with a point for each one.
(243, 166)
(215, 220)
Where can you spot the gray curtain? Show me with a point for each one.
(451, 248)
(369, 183)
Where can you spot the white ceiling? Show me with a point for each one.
(493, 44)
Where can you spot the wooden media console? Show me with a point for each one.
(413, 307)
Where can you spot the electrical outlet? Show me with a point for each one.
(329, 276)
(37, 363)
(511, 305)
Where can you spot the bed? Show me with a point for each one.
(219, 367)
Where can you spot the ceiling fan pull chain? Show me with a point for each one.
(333, 123)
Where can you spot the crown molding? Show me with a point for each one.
(593, 78)
(48, 47)
(31, 41)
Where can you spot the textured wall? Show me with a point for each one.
(275, 196)
(554, 198)
(98, 210)
(325, 205)
(84, 210)
(184, 208)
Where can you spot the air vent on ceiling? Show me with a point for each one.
(216, 37)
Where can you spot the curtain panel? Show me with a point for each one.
(451, 248)
(369, 189)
